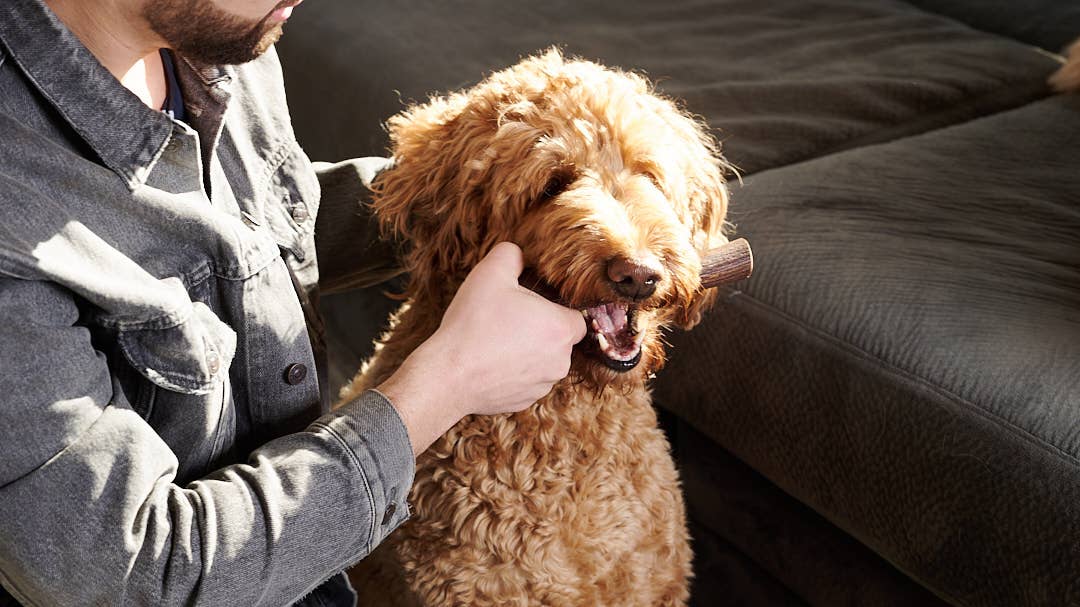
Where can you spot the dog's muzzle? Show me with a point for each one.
(613, 336)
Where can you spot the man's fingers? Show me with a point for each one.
(575, 318)
(508, 259)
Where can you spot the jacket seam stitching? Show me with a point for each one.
(127, 175)
(363, 473)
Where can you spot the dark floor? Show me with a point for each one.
(756, 545)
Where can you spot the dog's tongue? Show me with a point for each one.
(614, 335)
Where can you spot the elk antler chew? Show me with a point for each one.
(727, 263)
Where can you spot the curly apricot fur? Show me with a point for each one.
(574, 501)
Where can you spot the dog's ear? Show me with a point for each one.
(709, 234)
(690, 314)
(429, 198)
(708, 202)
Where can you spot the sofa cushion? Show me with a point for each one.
(780, 81)
(906, 359)
(1051, 24)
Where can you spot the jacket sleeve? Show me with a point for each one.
(90, 513)
(351, 251)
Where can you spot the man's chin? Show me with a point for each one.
(207, 36)
(269, 39)
(235, 53)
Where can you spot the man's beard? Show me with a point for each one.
(200, 31)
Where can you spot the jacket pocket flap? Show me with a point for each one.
(191, 357)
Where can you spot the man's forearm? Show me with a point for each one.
(263, 533)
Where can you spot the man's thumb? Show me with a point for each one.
(505, 260)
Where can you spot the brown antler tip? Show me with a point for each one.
(727, 263)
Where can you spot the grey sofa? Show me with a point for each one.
(888, 412)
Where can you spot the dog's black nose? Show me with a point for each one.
(634, 278)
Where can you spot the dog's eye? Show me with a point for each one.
(557, 184)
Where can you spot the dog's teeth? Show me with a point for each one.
(618, 317)
(585, 314)
(595, 327)
(605, 324)
(602, 341)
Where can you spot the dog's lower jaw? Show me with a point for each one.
(588, 370)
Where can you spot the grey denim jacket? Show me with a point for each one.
(163, 436)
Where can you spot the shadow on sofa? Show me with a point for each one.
(888, 412)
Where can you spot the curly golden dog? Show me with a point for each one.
(613, 193)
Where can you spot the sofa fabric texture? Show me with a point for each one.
(904, 366)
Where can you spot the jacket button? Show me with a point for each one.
(388, 516)
(213, 362)
(299, 213)
(295, 373)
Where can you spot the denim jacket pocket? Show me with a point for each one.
(190, 357)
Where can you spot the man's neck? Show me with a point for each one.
(118, 36)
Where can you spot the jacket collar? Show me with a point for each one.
(125, 134)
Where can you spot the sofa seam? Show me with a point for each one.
(908, 375)
(892, 134)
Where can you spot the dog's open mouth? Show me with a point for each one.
(612, 335)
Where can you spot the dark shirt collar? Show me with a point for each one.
(174, 97)
(125, 134)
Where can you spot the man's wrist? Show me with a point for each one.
(428, 402)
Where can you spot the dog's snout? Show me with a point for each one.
(636, 279)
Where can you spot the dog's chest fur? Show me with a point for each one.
(574, 501)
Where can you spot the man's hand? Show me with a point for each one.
(499, 348)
